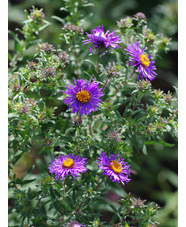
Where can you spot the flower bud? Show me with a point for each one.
(140, 16)
(111, 70)
(125, 23)
(46, 47)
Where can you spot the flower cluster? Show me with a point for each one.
(113, 166)
(83, 98)
(49, 72)
(25, 106)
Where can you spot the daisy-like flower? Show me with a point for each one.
(83, 97)
(138, 58)
(100, 39)
(115, 167)
(68, 164)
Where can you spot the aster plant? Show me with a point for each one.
(82, 132)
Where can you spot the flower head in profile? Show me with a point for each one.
(138, 58)
(67, 164)
(115, 167)
(100, 39)
(84, 97)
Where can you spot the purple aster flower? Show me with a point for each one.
(83, 97)
(68, 164)
(115, 167)
(100, 39)
(138, 58)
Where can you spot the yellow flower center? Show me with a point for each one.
(115, 166)
(83, 96)
(68, 163)
(144, 60)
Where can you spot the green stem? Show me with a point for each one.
(136, 102)
(174, 112)
(97, 64)
(10, 177)
(63, 201)
(105, 83)
(129, 77)
(99, 184)
(76, 59)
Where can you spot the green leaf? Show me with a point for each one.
(20, 181)
(31, 132)
(9, 57)
(52, 193)
(13, 115)
(58, 206)
(159, 141)
(14, 36)
(149, 142)
(44, 26)
(166, 144)
(88, 4)
(86, 203)
(17, 157)
(29, 171)
(70, 201)
(58, 19)
(113, 208)
(118, 115)
(63, 9)
(93, 68)
(144, 150)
